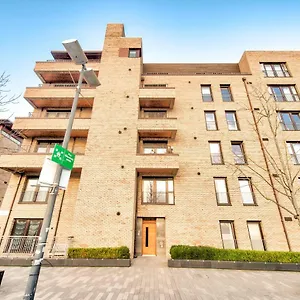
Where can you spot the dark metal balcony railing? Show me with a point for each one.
(21, 244)
(50, 115)
(62, 85)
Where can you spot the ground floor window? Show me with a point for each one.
(24, 236)
(158, 190)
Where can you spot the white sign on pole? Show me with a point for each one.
(64, 179)
(4, 212)
(48, 172)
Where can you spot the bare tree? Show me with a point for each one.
(278, 172)
(5, 99)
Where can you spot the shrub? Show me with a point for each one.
(210, 253)
(118, 252)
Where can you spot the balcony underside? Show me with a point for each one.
(157, 103)
(60, 76)
(59, 102)
(48, 127)
(58, 95)
(157, 164)
(28, 133)
(157, 133)
(157, 171)
(157, 97)
(31, 162)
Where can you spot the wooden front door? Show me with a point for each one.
(149, 237)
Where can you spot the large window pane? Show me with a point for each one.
(30, 191)
(19, 228)
(231, 120)
(158, 191)
(226, 94)
(294, 151)
(275, 70)
(206, 93)
(221, 191)
(215, 153)
(210, 120)
(161, 189)
(238, 154)
(284, 93)
(227, 233)
(255, 236)
(246, 191)
(147, 191)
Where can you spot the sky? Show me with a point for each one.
(172, 31)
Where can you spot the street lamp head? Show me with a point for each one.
(75, 51)
(90, 77)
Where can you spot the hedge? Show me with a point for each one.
(210, 253)
(118, 252)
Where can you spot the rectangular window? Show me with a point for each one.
(157, 190)
(134, 53)
(284, 93)
(228, 235)
(154, 113)
(34, 192)
(238, 153)
(24, 236)
(210, 120)
(62, 113)
(294, 151)
(226, 93)
(231, 120)
(256, 236)
(206, 93)
(246, 191)
(155, 147)
(274, 69)
(221, 191)
(289, 120)
(215, 153)
(47, 146)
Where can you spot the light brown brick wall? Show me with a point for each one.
(91, 203)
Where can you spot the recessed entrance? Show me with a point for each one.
(149, 237)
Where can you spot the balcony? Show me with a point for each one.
(59, 95)
(50, 127)
(61, 71)
(167, 165)
(157, 97)
(157, 128)
(31, 162)
(20, 245)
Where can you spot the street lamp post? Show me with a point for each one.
(78, 56)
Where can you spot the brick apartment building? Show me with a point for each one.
(10, 142)
(156, 145)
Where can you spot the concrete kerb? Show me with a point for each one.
(59, 262)
(233, 265)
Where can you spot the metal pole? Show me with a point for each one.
(39, 253)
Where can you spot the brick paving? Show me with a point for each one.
(150, 278)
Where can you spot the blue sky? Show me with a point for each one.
(172, 31)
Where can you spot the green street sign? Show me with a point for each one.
(63, 157)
